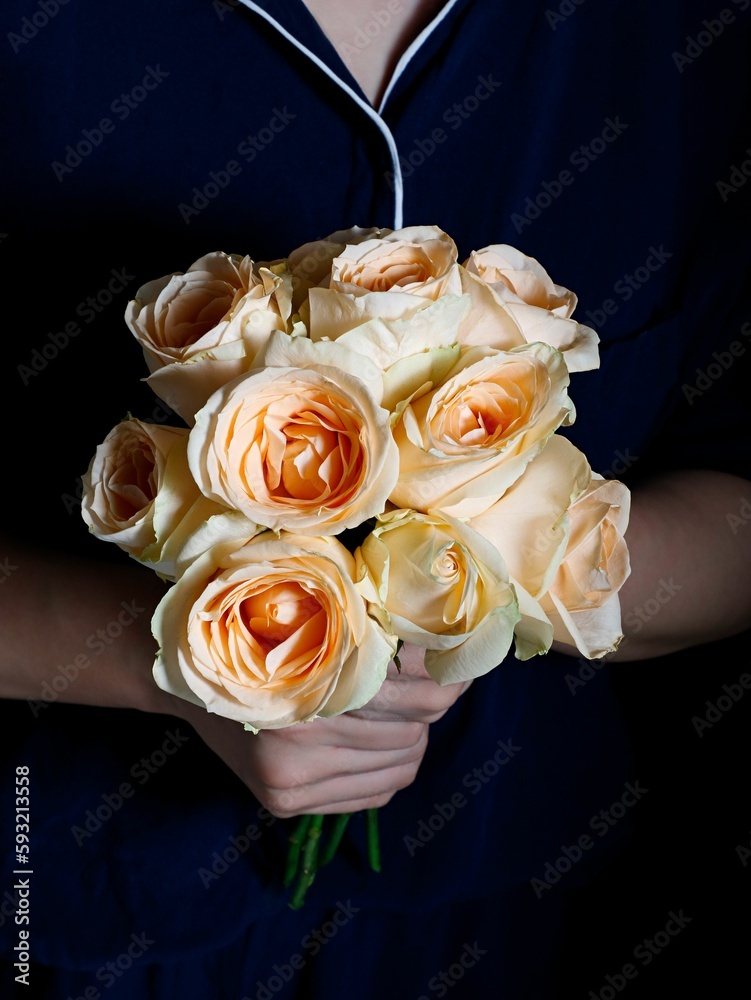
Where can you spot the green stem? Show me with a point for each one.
(374, 847)
(309, 862)
(296, 839)
(335, 837)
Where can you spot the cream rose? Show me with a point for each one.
(462, 445)
(445, 588)
(583, 600)
(310, 264)
(307, 449)
(542, 308)
(520, 279)
(403, 294)
(202, 328)
(269, 630)
(415, 259)
(391, 276)
(530, 523)
(413, 354)
(138, 493)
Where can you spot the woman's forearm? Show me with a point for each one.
(689, 539)
(77, 630)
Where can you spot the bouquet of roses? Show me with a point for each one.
(371, 454)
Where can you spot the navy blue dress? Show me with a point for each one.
(611, 142)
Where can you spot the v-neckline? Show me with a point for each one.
(297, 21)
(389, 67)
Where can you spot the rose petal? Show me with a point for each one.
(264, 629)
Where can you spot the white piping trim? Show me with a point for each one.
(412, 49)
(367, 108)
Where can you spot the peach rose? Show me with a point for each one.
(520, 279)
(444, 587)
(542, 308)
(462, 445)
(138, 493)
(415, 259)
(388, 277)
(583, 602)
(202, 328)
(412, 354)
(530, 523)
(310, 264)
(269, 630)
(385, 290)
(306, 449)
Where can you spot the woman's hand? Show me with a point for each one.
(409, 692)
(354, 761)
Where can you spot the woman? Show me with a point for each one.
(143, 139)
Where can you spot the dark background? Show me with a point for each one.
(691, 832)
